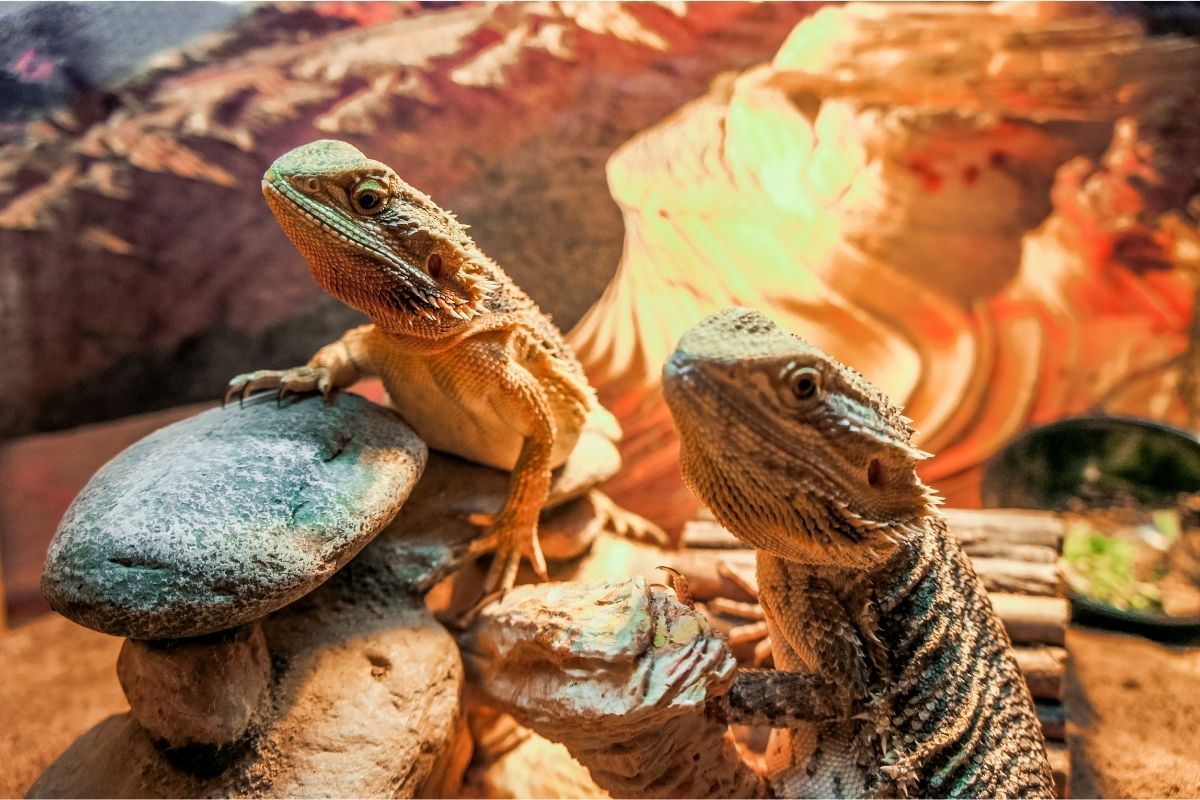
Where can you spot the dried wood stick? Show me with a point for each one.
(1060, 765)
(1043, 669)
(1017, 577)
(1032, 620)
(1015, 526)
(1053, 717)
(707, 534)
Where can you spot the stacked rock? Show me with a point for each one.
(273, 592)
(220, 519)
(189, 542)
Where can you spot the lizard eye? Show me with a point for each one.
(805, 383)
(369, 196)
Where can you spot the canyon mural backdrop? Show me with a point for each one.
(990, 211)
(139, 266)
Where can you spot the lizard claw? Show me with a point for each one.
(625, 523)
(325, 387)
(298, 380)
(679, 584)
(510, 542)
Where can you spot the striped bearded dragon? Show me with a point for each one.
(895, 678)
(466, 357)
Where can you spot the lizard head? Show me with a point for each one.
(374, 242)
(792, 451)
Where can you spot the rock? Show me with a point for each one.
(224, 517)
(205, 690)
(536, 767)
(618, 673)
(365, 702)
(361, 669)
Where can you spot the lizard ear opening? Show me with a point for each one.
(434, 265)
(875, 472)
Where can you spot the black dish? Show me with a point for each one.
(1101, 461)
(1096, 459)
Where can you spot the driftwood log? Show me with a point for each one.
(620, 673)
(1043, 668)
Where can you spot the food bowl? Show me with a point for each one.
(1099, 462)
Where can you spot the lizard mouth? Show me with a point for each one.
(417, 290)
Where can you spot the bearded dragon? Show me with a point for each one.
(895, 676)
(466, 357)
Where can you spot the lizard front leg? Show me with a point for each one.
(522, 401)
(776, 699)
(335, 366)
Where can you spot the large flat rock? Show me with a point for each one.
(227, 516)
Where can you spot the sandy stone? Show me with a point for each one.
(365, 702)
(535, 768)
(224, 517)
(365, 695)
(203, 690)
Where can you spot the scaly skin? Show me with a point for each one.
(895, 676)
(466, 357)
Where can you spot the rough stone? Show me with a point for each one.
(203, 690)
(535, 767)
(224, 517)
(620, 674)
(329, 729)
(365, 702)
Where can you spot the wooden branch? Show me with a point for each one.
(993, 532)
(1032, 620)
(700, 569)
(708, 534)
(1013, 552)
(1017, 577)
(976, 527)
(1043, 669)
(1060, 765)
(1053, 717)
